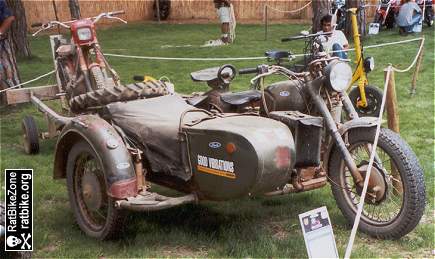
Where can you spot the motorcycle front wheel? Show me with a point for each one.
(395, 199)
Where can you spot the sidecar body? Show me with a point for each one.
(218, 156)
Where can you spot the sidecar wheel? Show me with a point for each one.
(398, 204)
(374, 101)
(94, 210)
(30, 135)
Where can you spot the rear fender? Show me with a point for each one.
(109, 147)
(362, 122)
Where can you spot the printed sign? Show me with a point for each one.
(19, 210)
(373, 28)
(318, 234)
(216, 166)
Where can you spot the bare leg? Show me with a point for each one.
(225, 32)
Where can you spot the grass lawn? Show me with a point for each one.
(244, 228)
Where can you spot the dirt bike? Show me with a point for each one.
(329, 149)
(84, 75)
(385, 13)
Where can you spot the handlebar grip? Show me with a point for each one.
(38, 24)
(117, 12)
(244, 71)
(138, 78)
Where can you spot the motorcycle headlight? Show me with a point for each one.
(338, 75)
(84, 34)
(369, 64)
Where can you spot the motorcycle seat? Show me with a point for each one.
(241, 98)
(205, 75)
(277, 54)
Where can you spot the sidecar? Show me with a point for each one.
(110, 158)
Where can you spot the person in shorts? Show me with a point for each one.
(335, 42)
(224, 15)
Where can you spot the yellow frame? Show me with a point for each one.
(359, 74)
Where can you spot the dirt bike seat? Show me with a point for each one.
(277, 54)
(241, 98)
(205, 75)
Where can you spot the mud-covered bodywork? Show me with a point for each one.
(239, 155)
(224, 156)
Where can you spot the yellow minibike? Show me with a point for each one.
(365, 98)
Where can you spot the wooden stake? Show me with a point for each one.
(265, 22)
(392, 110)
(415, 74)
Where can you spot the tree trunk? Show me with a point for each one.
(360, 18)
(320, 9)
(18, 30)
(74, 9)
(9, 75)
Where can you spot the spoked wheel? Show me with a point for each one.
(395, 197)
(94, 210)
(30, 135)
(374, 101)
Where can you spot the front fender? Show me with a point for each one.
(362, 122)
(109, 147)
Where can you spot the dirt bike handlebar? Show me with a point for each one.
(251, 70)
(305, 36)
(50, 24)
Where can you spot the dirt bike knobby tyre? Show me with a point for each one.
(121, 93)
(412, 207)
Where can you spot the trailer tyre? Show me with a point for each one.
(121, 93)
(30, 135)
(94, 210)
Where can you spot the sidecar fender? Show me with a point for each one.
(109, 147)
(362, 122)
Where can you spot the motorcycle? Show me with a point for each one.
(328, 148)
(427, 6)
(386, 12)
(111, 150)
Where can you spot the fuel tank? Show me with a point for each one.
(239, 155)
(284, 96)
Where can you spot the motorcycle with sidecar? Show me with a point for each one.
(117, 139)
(332, 143)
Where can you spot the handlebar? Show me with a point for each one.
(305, 36)
(38, 24)
(251, 70)
(95, 19)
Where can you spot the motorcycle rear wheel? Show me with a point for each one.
(398, 173)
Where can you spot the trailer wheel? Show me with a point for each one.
(30, 135)
(94, 210)
(120, 93)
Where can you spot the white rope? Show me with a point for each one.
(290, 11)
(413, 62)
(183, 59)
(252, 58)
(369, 169)
(28, 82)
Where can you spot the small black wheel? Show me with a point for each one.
(374, 101)
(94, 210)
(30, 135)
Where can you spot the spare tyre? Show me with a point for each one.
(121, 93)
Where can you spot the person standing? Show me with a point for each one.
(6, 52)
(409, 16)
(224, 15)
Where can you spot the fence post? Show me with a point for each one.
(392, 110)
(415, 74)
(265, 21)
